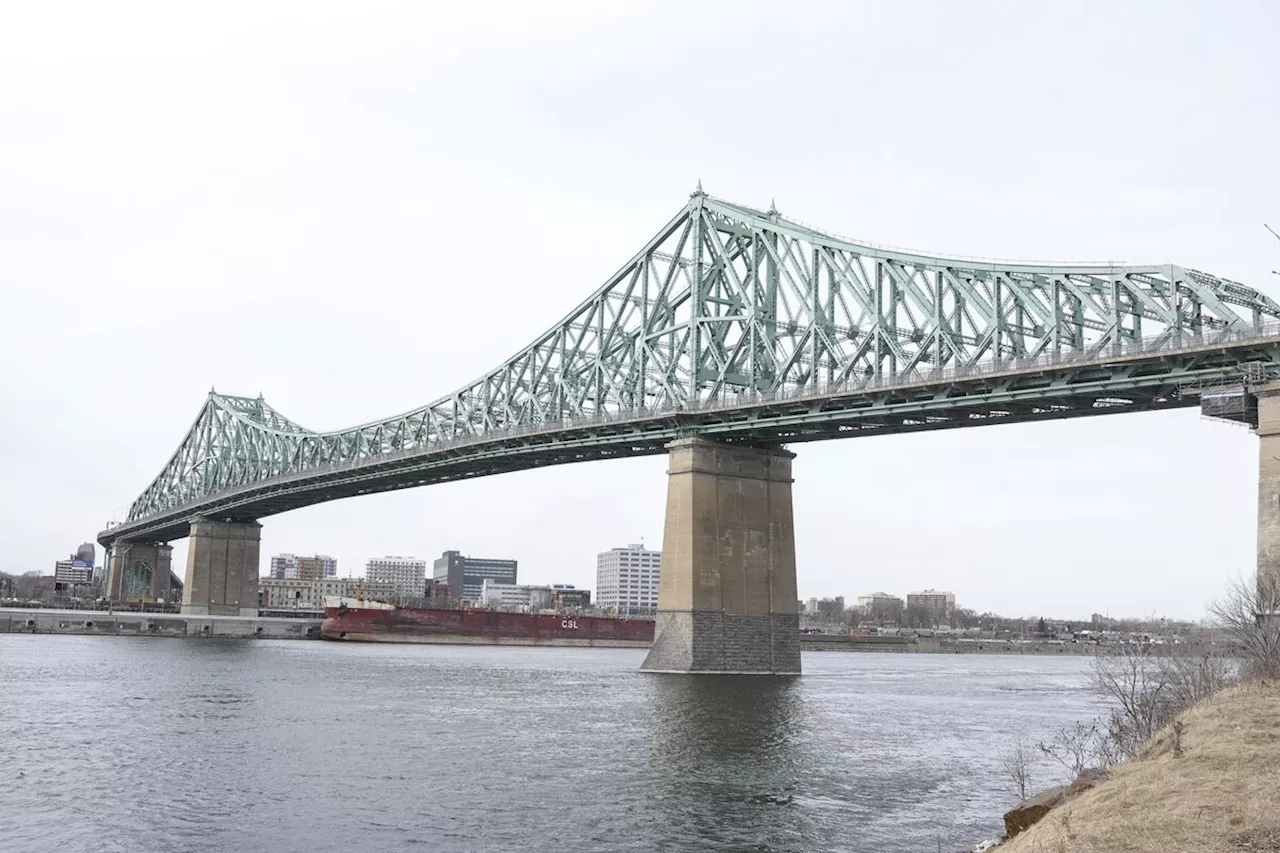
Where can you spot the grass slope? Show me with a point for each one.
(1221, 796)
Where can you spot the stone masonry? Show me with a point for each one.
(1269, 481)
(222, 568)
(727, 598)
(158, 556)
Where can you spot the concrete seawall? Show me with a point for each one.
(125, 624)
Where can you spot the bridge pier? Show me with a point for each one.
(222, 568)
(139, 570)
(1269, 482)
(727, 599)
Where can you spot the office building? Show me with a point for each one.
(407, 574)
(504, 596)
(627, 579)
(76, 570)
(293, 567)
(317, 567)
(933, 608)
(73, 572)
(466, 575)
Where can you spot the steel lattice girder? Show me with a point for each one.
(730, 308)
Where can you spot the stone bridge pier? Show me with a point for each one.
(727, 599)
(1269, 482)
(222, 568)
(139, 570)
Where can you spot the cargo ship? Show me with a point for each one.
(373, 622)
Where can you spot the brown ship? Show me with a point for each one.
(370, 622)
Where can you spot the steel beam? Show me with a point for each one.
(746, 326)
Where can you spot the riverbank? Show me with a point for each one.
(130, 624)
(1212, 787)
(17, 620)
(934, 645)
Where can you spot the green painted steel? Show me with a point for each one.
(744, 324)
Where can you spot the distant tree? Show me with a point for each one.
(916, 616)
(27, 585)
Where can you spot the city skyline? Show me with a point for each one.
(365, 143)
(538, 576)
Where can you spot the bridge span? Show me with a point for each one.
(733, 332)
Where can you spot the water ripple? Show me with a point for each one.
(126, 744)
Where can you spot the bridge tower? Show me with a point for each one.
(727, 599)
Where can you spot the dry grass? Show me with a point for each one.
(1221, 796)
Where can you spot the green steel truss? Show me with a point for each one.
(729, 308)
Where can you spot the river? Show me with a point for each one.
(158, 745)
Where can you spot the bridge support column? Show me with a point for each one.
(1269, 482)
(727, 599)
(139, 570)
(222, 568)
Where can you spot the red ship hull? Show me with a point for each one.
(482, 627)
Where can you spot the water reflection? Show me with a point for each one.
(726, 760)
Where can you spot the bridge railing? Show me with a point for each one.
(1169, 341)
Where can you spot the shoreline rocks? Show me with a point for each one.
(1030, 811)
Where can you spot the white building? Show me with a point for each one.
(72, 572)
(408, 574)
(506, 596)
(627, 579)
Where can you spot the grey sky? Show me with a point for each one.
(354, 208)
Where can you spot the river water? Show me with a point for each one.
(157, 745)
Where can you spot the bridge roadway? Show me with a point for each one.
(1143, 379)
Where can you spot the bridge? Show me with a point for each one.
(735, 331)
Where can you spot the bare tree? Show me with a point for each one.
(1250, 614)
(1016, 766)
(1076, 747)
(1138, 684)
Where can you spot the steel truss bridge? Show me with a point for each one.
(745, 326)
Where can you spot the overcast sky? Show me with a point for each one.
(353, 208)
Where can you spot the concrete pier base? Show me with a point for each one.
(139, 570)
(222, 569)
(727, 599)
